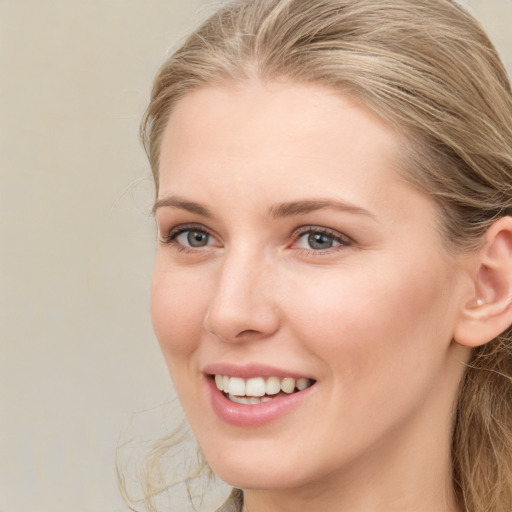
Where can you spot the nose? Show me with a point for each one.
(243, 304)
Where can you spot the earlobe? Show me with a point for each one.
(489, 312)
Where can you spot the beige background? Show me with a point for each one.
(80, 370)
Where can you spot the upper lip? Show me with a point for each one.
(248, 371)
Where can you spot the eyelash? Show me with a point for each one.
(339, 238)
(170, 238)
(343, 240)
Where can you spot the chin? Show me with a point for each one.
(260, 469)
(260, 478)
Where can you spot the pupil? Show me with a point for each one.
(319, 241)
(197, 239)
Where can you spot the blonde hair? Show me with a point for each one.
(427, 68)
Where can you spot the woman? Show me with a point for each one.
(333, 277)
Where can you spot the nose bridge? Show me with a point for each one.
(242, 302)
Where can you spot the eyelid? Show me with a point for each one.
(173, 233)
(341, 238)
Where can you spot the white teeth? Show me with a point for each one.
(257, 387)
(302, 383)
(236, 386)
(272, 386)
(288, 385)
(248, 400)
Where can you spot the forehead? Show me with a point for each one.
(265, 110)
(297, 138)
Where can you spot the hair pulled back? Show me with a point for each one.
(427, 68)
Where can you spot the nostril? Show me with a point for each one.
(243, 319)
(248, 332)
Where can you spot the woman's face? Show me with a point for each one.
(295, 262)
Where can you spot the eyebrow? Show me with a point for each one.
(179, 202)
(311, 205)
(287, 209)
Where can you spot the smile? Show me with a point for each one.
(259, 390)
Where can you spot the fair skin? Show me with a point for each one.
(290, 246)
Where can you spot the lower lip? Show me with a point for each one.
(242, 415)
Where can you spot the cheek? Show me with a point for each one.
(372, 324)
(177, 311)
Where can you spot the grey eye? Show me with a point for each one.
(197, 238)
(193, 238)
(320, 241)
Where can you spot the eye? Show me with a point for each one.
(189, 237)
(193, 238)
(317, 241)
(320, 239)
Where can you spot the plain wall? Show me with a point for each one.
(79, 363)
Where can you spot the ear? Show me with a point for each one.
(489, 312)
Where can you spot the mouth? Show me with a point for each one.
(258, 390)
